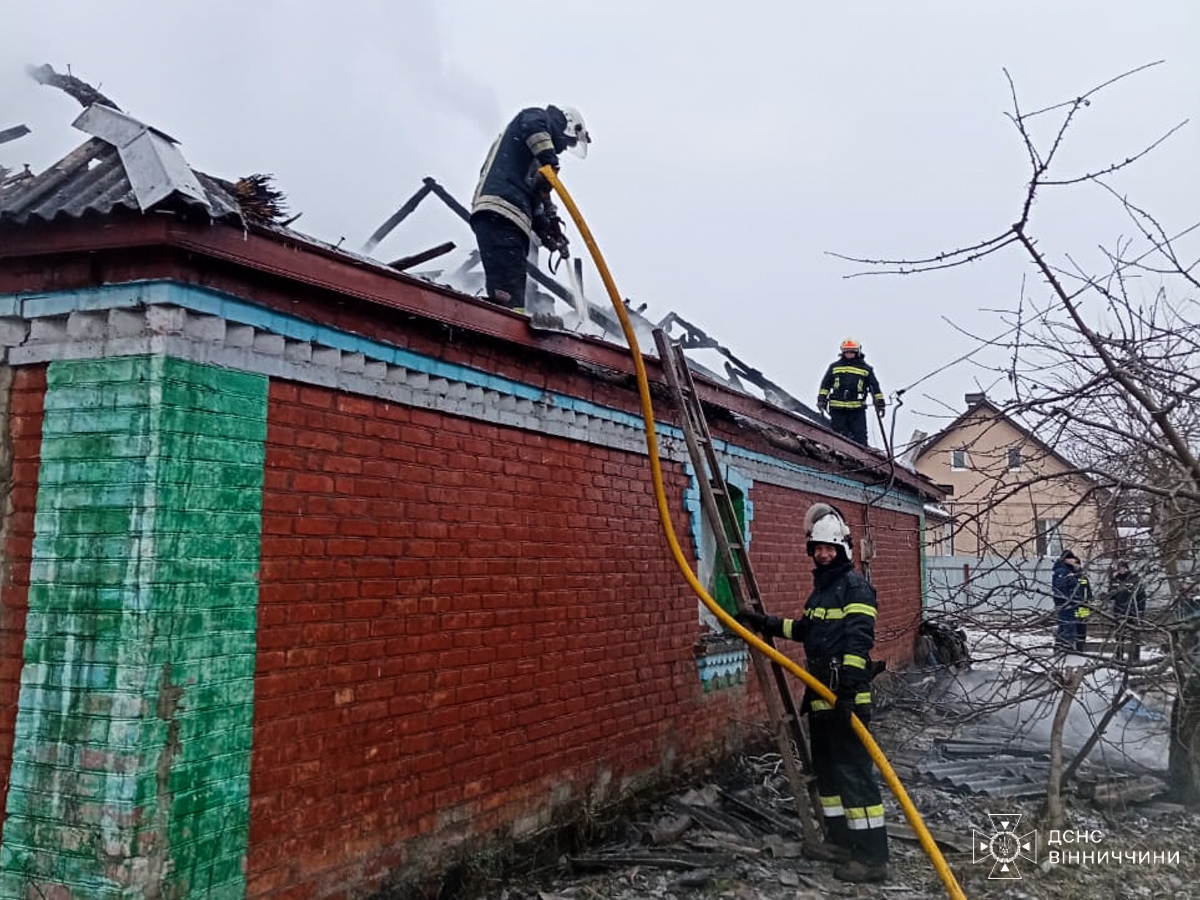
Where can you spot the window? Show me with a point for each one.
(709, 568)
(958, 459)
(720, 589)
(1049, 537)
(1014, 458)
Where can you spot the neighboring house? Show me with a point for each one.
(319, 578)
(1011, 495)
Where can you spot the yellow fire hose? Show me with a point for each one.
(889, 775)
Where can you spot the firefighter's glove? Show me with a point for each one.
(549, 230)
(880, 405)
(754, 621)
(823, 404)
(541, 184)
(851, 682)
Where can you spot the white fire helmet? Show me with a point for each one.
(576, 132)
(824, 525)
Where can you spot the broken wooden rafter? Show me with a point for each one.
(407, 262)
(70, 85)
(785, 825)
(11, 134)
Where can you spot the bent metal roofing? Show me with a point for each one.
(126, 165)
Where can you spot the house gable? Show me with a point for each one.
(1011, 492)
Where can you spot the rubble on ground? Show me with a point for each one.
(736, 837)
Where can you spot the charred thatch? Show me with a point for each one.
(260, 201)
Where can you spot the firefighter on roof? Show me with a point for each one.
(848, 383)
(512, 201)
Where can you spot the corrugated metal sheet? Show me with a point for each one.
(92, 180)
(995, 776)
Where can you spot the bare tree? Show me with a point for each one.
(1103, 364)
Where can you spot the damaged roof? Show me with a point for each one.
(130, 168)
(125, 165)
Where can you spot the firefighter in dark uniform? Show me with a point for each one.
(1072, 595)
(847, 384)
(838, 631)
(512, 200)
(1129, 610)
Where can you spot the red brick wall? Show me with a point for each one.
(25, 433)
(461, 625)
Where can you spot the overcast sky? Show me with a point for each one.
(736, 144)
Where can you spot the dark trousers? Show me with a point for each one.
(503, 248)
(851, 423)
(1072, 630)
(850, 798)
(1126, 635)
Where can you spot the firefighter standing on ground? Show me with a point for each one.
(838, 631)
(1073, 601)
(848, 383)
(512, 201)
(1128, 609)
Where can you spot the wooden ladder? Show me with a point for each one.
(718, 508)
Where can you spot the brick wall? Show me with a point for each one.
(465, 627)
(129, 772)
(461, 626)
(23, 422)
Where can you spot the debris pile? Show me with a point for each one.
(736, 837)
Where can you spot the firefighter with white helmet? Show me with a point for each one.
(847, 384)
(512, 203)
(838, 631)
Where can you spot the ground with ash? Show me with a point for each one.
(735, 836)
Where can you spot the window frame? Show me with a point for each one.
(1048, 538)
(959, 461)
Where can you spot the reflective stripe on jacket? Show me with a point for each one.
(839, 620)
(506, 182)
(848, 383)
(1071, 590)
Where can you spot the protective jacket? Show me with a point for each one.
(509, 183)
(838, 631)
(1072, 592)
(848, 383)
(838, 627)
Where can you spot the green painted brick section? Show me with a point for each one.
(130, 369)
(100, 447)
(203, 447)
(177, 423)
(97, 421)
(99, 471)
(201, 474)
(228, 496)
(140, 645)
(117, 395)
(184, 380)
